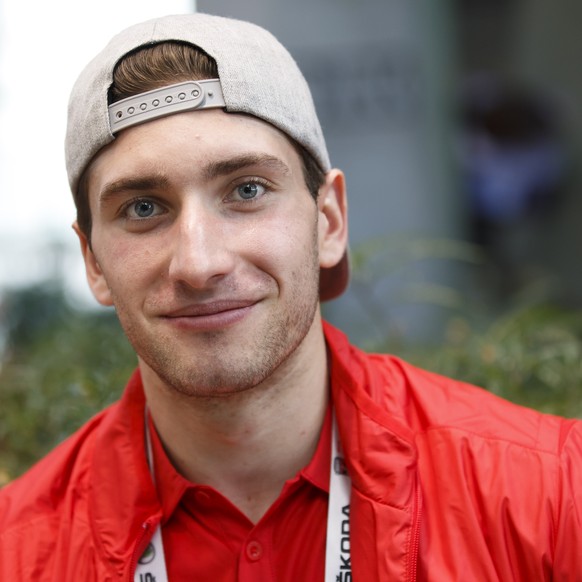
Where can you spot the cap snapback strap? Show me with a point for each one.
(165, 101)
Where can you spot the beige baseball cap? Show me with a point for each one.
(257, 76)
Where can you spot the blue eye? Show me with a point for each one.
(144, 208)
(250, 190)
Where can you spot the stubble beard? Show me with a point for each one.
(219, 369)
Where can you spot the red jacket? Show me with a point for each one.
(448, 483)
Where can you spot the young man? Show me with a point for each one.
(253, 442)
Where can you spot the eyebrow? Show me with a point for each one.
(230, 165)
(136, 184)
(210, 171)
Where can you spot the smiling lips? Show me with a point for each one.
(208, 316)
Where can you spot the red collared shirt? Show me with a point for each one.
(207, 538)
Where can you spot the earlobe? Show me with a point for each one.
(333, 219)
(95, 276)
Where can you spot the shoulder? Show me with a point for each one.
(43, 491)
(508, 476)
(479, 437)
(45, 514)
(425, 403)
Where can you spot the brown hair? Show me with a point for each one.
(163, 64)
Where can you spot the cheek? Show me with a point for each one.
(126, 264)
(280, 245)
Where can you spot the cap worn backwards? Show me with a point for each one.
(257, 76)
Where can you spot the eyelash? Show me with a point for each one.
(124, 210)
(254, 180)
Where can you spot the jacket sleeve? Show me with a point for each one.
(568, 548)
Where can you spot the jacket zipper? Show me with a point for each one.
(140, 546)
(415, 542)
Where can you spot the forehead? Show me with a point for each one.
(184, 144)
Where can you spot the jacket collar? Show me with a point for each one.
(381, 458)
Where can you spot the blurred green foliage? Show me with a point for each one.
(59, 367)
(523, 348)
(532, 356)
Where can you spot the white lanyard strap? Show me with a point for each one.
(338, 563)
(151, 567)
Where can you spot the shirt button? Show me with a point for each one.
(254, 551)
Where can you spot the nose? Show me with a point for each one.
(200, 256)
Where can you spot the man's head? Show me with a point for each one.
(257, 77)
(207, 210)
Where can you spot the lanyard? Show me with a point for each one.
(151, 567)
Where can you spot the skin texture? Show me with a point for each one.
(208, 243)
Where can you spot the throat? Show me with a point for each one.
(252, 475)
(253, 502)
(246, 461)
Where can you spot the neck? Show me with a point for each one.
(246, 445)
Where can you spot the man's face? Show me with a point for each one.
(208, 243)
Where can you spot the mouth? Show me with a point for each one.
(210, 316)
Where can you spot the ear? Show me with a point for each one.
(333, 219)
(95, 276)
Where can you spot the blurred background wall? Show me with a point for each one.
(521, 55)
